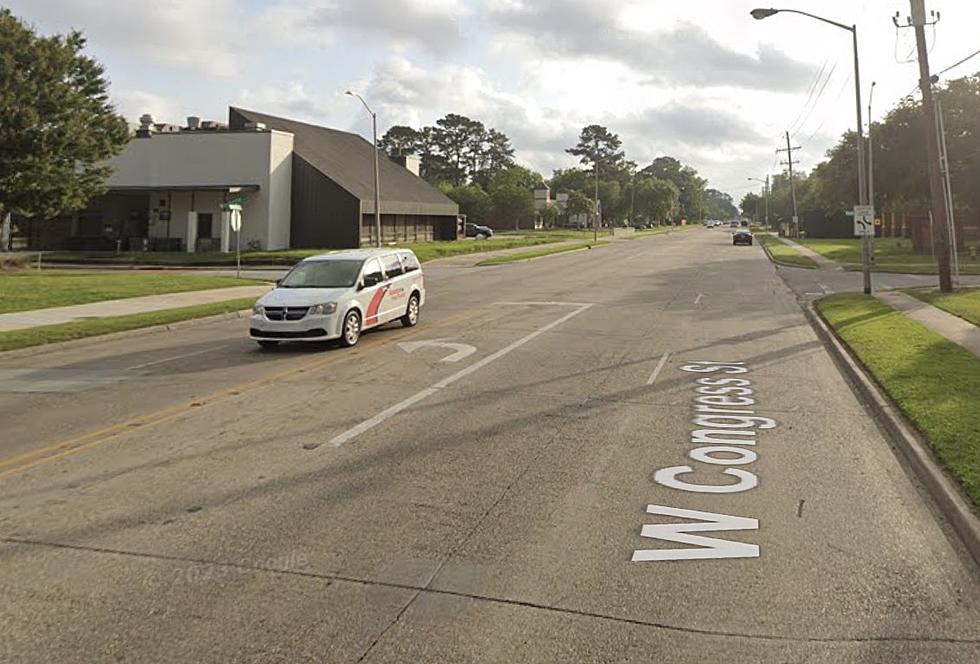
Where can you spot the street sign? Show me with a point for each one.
(864, 220)
(236, 220)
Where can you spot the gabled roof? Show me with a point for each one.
(348, 160)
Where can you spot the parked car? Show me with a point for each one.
(479, 232)
(339, 295)
(742, 236)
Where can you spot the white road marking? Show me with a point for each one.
(462, 350)
(660, 367)
(372, 422)
(698, 298)
(171, 359)
(547, 304)
(825, 289)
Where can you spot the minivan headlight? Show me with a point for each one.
(258, 309)
(323, 309)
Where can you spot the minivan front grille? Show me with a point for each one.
(286, 313)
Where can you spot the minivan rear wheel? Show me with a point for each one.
(411, 317)
(351, 331)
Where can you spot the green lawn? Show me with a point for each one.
(426, 251)
(31, 289)
(537, 253)
(965, 303)
(935, 382)
(36, 336)
(780, 252)
(891, 255)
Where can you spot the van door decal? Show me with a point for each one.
(371, 317)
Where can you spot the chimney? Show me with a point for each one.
(408, 161)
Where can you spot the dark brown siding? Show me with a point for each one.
(324, 214)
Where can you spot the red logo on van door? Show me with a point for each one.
(371, 317)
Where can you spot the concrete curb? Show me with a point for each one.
(112, 336)
(948, 496)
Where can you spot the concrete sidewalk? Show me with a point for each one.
(822, 261)
(945, 324)
(134, 305)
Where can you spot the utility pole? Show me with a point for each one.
(595, 219)
(767, 202)
(792, 183)
(940, 228)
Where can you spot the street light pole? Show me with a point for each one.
(765, 192)
(377, 173)
(595, 219)
(760, 14)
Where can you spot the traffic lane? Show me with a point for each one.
(887, 554)
(86, 388)
(225, 503)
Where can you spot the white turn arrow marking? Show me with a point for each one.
(462, 350)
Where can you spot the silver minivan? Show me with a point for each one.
(339, 295)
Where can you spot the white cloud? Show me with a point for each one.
(131, 104)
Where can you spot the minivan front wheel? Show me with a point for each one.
(411, 317)
(351, 331)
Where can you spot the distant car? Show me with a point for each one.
(733, 224)
(477, 231)
(742, 236)
(339, 295)
(745, 224)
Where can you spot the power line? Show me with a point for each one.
(815, 102)
(810, 91)
(953, 66)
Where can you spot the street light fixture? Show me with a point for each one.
(760, 14)
(377, 177)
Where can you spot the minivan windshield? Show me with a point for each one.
(323, 274)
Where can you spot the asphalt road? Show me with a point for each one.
(185, 497)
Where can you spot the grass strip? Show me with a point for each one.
(893, 255)
(965, 303)
(426, 251)
(935, 382)
(782, 253)
(36, 336)
(31, 289)
(525, 255)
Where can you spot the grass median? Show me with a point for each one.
(935, 382)
(538, 253)
(36, 336)
(891, 255)
(31, 289)
(782, 253)
(964, 303)
(426, 251)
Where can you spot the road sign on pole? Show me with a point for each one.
(864, 220)
(236, 220)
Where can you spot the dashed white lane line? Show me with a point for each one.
(660, 367)
(698, 298)
(386, 414)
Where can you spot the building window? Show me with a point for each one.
(204, 223)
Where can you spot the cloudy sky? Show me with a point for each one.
(696, 79)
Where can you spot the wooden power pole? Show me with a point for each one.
(940, 228)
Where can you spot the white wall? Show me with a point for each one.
(201, 159)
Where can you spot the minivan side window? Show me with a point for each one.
(393, 266)
(372, 273)
(410, 261)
